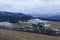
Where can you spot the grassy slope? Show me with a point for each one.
(20, 24)
(17, 35)
(56, 24)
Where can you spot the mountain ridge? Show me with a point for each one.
(53, 17)
(13, 17)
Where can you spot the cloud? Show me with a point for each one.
(30, 6)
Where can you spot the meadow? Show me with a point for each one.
(55, 24)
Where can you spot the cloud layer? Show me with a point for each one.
(31, 6)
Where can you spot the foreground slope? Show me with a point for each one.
(17, 35)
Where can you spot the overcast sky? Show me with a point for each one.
(31, 6)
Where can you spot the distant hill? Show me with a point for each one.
(13, 17)
(55, 17)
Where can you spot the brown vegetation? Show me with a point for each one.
(17, 35)
(55, 24)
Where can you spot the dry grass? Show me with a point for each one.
(17, 35)
(56, 24)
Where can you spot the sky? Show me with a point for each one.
(31, 6)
